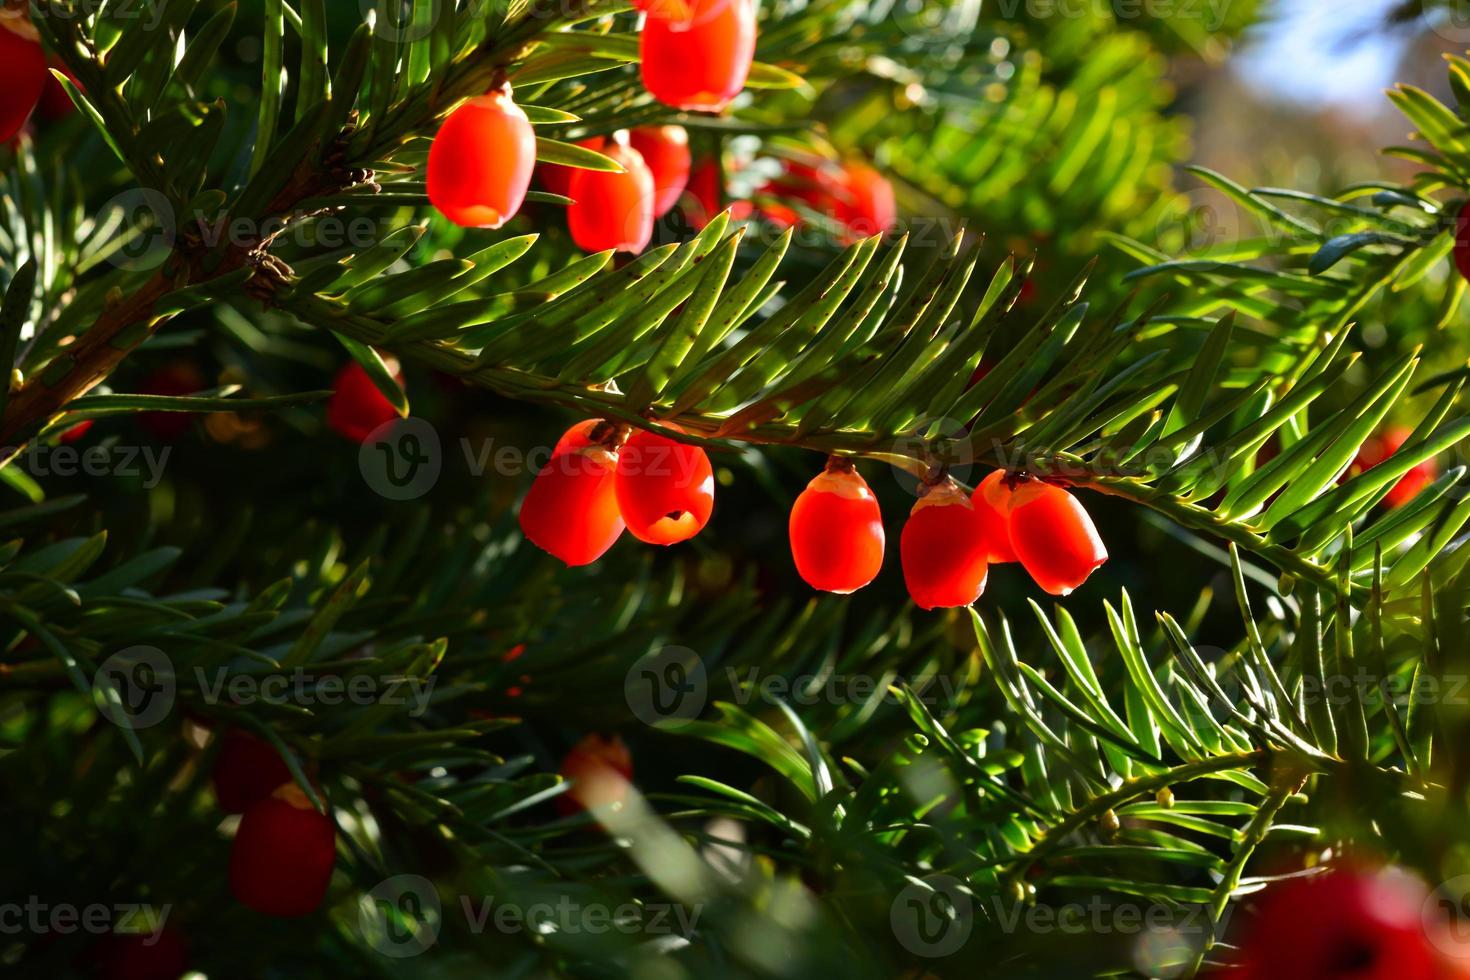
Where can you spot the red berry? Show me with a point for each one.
(1053, 537)
(837, 531)
(23, 74)
(1379, 448)
(557, 178)
(246, 770)
(599, 769)
(698, 60)
(705, 197)
(666, 151)
(666, 489)
(571, 510)
(1343, 924)
(944, 549)
(176, 380)
(865, 203)
(163, 955)
(75, 432)
(357, 408)
(1462, 241)
(55, 103)
(613, 211)
(281, 861)
(992, 500)
(481, 160)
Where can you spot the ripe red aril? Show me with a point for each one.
(599, 769)
(246, 770)
(666, 151)
(571, 510)
(698, 59)
(865, 202)
(557, 178)
(1378, 448)
(837, 530)
(992, 500)
(357, 408)
(1349, 924)
(155, 955)
(610, 210)
(666, 489)
(1462, 241)
(23, 74)
(281, 861)
(944, 547)
(175, 380)
(1053, 537)
(704, 197)
(481, 160)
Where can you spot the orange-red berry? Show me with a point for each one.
(1379, 448)
(599, 769)
(160, 955)
(481, 161)
(609, 210)
(571, 510)
(23, 75)
(944, 549)
(246, 770)
(357, 408)
(666, 489)
(705, 194)
(281, 861)
(1462, 241)
(992, 500)
(697, 59)
(557, 178)
(1363, 924)
(1053, 537)
(837, 531)
(865, 202)
(666, 151)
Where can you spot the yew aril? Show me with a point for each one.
(1377, 449)
(992, 500)
(1462, 241)
(698, 59)
(281, 860)
(865, 202)
(1053, 537)
(481, 161)
(599, 769)
(23, 74)
(357, 407)
(557, 177)
(571, 510)
(246, 770)
(705, 195)
(944, 549)
(666, 151)
(175, 380)
(612, 210)
(837, 531)
(665, 488)
(1358, 924)
(157, 955)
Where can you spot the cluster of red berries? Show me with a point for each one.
(950, 539)
(601, 479)
(695, 55)
(284, 849)
(1363, 924)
